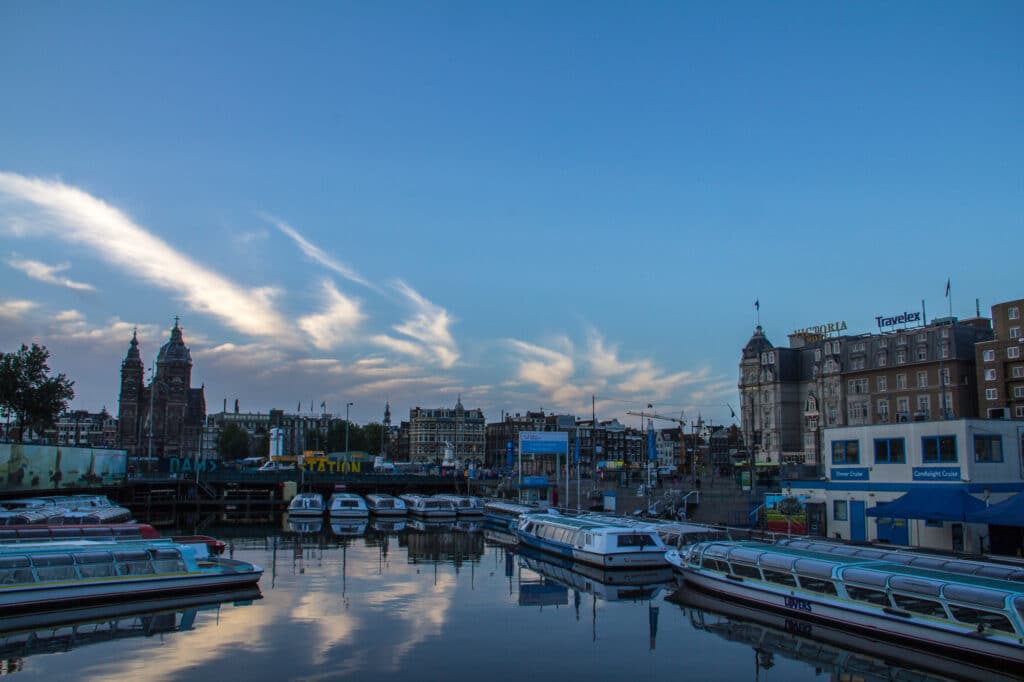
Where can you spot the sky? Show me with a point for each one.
(529, 205)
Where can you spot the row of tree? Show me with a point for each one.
(27, 391)
(234, 442)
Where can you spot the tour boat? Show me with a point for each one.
(429, 507)
(974, 607)
(31, 515)
(386, 505)
(506, 515)
(111, 532)
(347, 505)
(608, 585)
(464, 505)
(608, 543)
(306, 504)
(97, 515)
(53, 574)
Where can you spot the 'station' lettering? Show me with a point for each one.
(798, 604)
(902, 318)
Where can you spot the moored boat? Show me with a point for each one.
(506, 515)
(386, 505)
(429, 507)
(347, 505)
(111, 532)
(306, 504)
(51, 574)
(465, 505)
(96, 515)
(974, 607)
(601, 542)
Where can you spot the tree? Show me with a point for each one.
(28, 392)
(233, 442)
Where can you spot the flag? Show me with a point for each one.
(732, 412)
(757, 304)
(323, 406)
(947, 287)
(299, 408)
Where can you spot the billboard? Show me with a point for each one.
(543, 443)
(52, 467)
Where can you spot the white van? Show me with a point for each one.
(273, 466)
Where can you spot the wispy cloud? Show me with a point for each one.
(429, 336)
(337, 323)
(79, 217)
(551, 371)
(47, 273)
(16, 309)
(72, 325)
(315, 253)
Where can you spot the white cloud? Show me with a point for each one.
(550, 370)
(16, 309)
(428, 329)
(47, 273)
(317, 254)
(337, 323)
(82, 218)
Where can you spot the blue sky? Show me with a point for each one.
(526, 203)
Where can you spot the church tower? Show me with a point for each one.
(129, 412)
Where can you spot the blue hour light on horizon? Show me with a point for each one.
(521, 203)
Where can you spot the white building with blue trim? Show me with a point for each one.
(934, 475)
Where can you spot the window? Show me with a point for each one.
(883, 409)
(988, 448)
(1019, 411)
(857, 363)
(839, 510)
(882, 383)
(1013, 352)
(944, 351)
(817, 585)
(890, 451)
(1018, 392)
(901, 381)
(924, 403)
(936, 449)
(991, 394)
(990, 375)
(1018, 372)
(1013, 313)
(903, 404)
(922, 338)
(1014, 332)
(817, 355)
(883, 359)
(858, 386)
(867, 594)
(944, 376)
(922, 379)
(845, 452)
(988, 356)
(901, 356)
(922, 352)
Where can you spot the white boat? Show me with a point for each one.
(608, 585)
(973, 607)
(386, 505)
(96, 515)
(31, 515)
(306, 504)
(347, 505)
(429, 507)
(675, 534)
(53, 574)
(464, 505)
(506, 515)
(608, 543)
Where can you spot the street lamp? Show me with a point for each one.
(347, 405)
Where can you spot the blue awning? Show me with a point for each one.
(1009, 512)
(934, 503)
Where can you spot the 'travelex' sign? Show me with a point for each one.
(820, 331)
(903, 318)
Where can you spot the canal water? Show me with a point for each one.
(433, 603)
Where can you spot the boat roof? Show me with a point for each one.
(588, 523)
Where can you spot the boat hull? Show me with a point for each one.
(892, 625)
(617, 560)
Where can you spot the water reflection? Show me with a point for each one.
(840, 653)
(62, 631)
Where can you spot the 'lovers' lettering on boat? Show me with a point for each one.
(798, 604)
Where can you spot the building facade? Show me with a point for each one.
(165, 418)
(429, 431)
(81, 428)
(1000, 364)
(790, 395)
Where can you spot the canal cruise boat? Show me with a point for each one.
(347, 506)
(306, 504)
(465, 505)
(429, 507)
(605, 542)
(381, 504)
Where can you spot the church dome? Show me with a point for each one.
(757, 343)
(175, 350)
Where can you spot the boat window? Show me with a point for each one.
(744, 554)
(715, 565)
(589, 539)
(930, 588)
(54, 567)
(817, 584)
(14, 562)
(779, 577)
(93, 558)
(34, 534)
(746, 570)
(529, 528)
(777, 561)
(866, 594)
(168, 560)
(13, 575)
(927, 607)
(635, 540)
(52, 560)
(860, 575)
(133, 563)
(994, 621)
(979, 596)
(8, 535)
